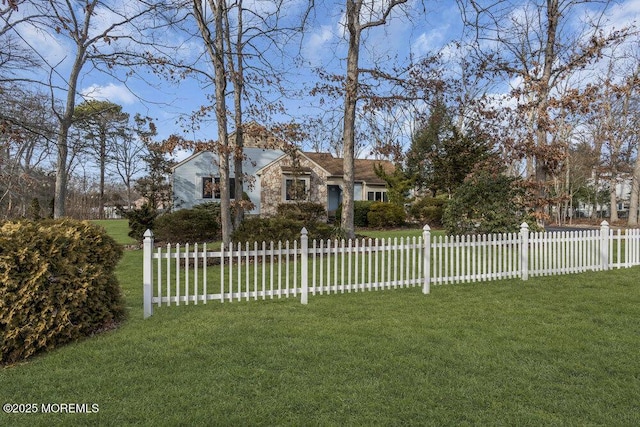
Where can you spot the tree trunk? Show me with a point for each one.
(103, 166)
(635, 194)
(215, 50)
(350, 101)
(238, 155)
(238, 85)
(613, 200)
(66, 119)
(553, 15)
(221, 116)
(61, 172)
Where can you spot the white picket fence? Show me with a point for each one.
(193, 274)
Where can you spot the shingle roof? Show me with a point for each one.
(363, 168)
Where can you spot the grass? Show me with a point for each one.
(118, 229)
(557, 350)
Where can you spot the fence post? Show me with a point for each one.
(147, 273)
(524, 251)
(426, 260)
(604, 245)
(304, 246)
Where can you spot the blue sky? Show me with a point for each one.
(409, 32)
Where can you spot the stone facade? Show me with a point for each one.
(273, 178)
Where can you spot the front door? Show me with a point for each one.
(334, 198)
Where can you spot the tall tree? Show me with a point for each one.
(441, 157)
(27, 130)
(360, 16)
(238, 42)
(214, 42)
(614, 124)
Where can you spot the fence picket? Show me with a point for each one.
(159, 278)
(349, 252)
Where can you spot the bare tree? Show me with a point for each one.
(631, 123)
(215, 48)
(127, 156)
(27, 129)
(615, 123)
(239, 43)
(534, 44)
(92, 31)
(360, 16)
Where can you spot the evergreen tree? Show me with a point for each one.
(488, 202)
(155, 186)
(441, 155)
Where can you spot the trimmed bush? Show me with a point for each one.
(202, 223)
(428, 210)
(302, 211)
(140, 220)
(57, 284)
(385, 215)
(360, 212)
(278, 228)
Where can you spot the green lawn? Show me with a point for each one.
(118, 229)
(550, 351)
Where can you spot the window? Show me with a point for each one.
(378, 196)
(295, 189)
(207, 187)
(211, 188)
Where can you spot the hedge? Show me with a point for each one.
(57, 284)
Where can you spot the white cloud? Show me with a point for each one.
(118, 94)
(625, 13)
(428, 43)
(317, 44)
(43, 43)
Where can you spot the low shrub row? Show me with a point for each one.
(202, 223)
(280, 229)
(375, 214)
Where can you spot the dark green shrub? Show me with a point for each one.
(360, 213)
(487, 203)
(140, 220)
(385, 215)
(199, 224)
(278, 228)
(57, 284)
(303, 211)
(428, 210)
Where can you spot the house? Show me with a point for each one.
(623, 190)
(276, 177)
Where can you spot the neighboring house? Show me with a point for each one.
(624, 185)
(277, 178)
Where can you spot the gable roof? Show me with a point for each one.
(363, 168)
(188, 159)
